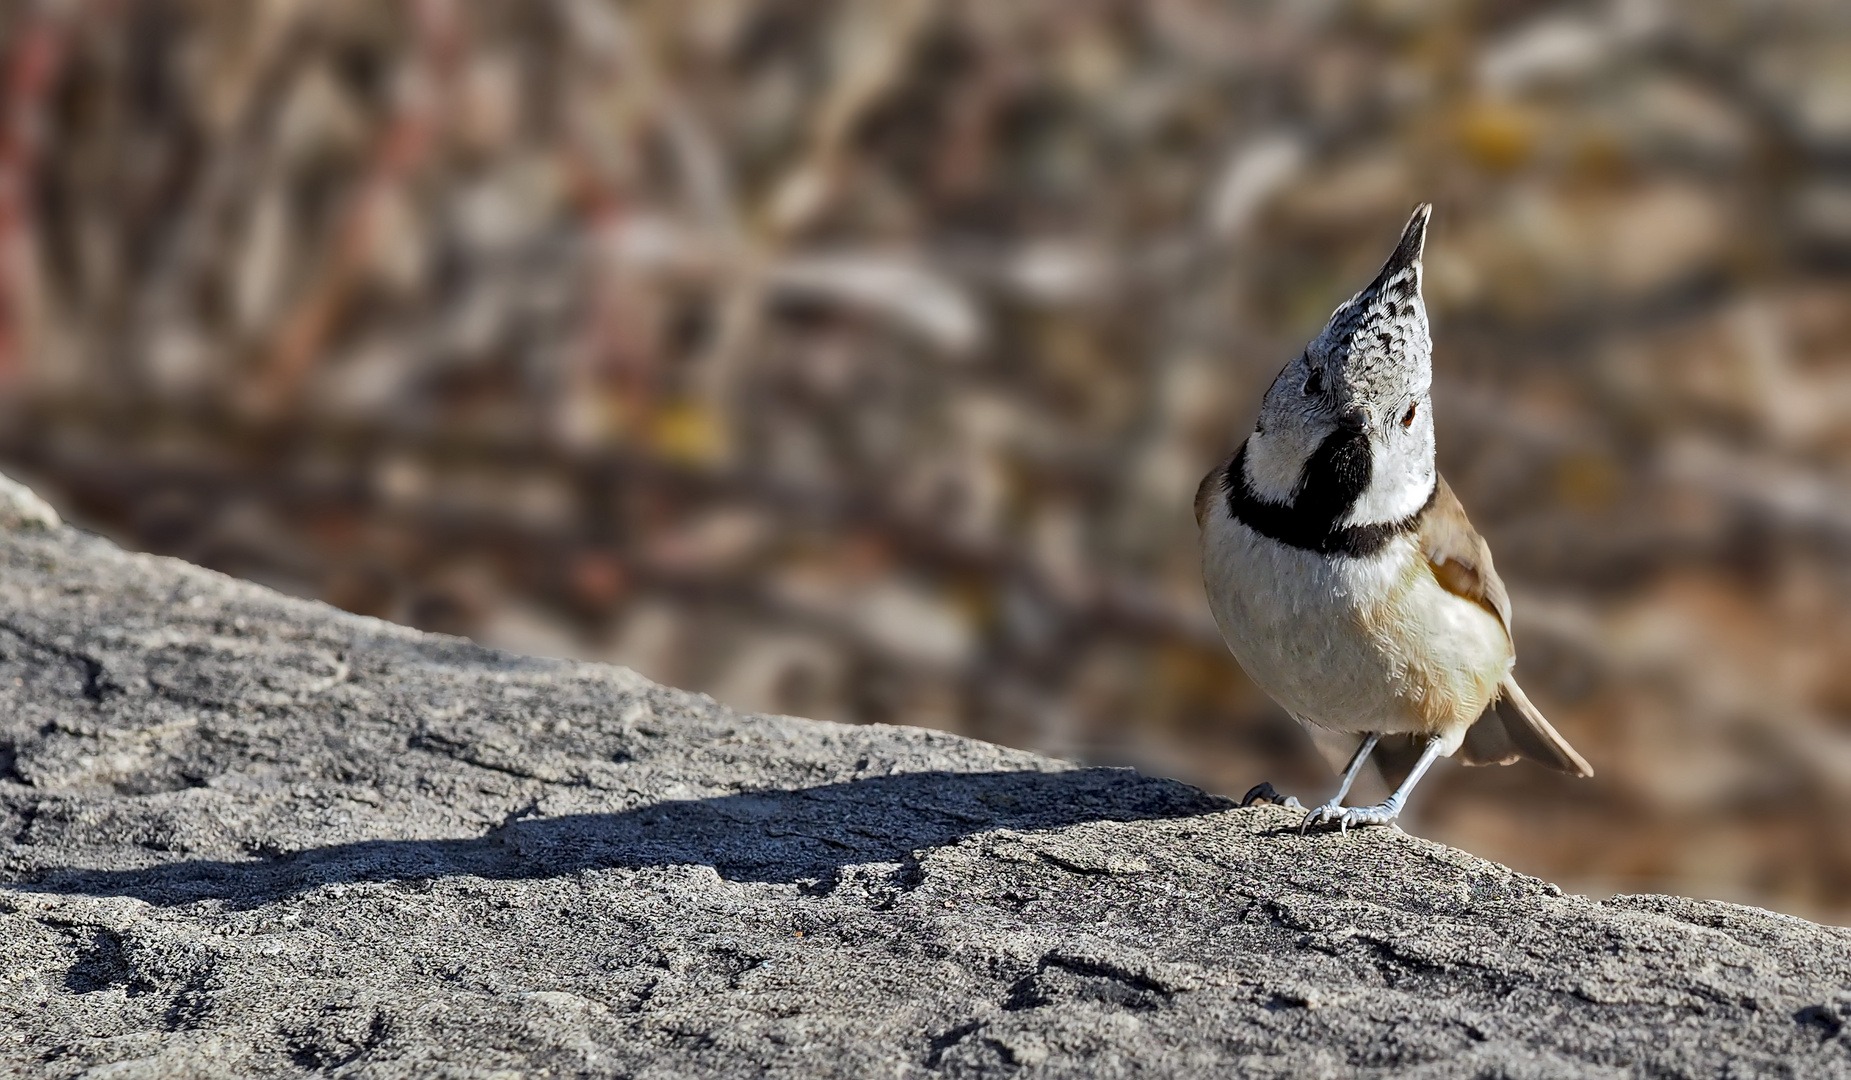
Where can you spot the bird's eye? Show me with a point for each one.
(1407, 418)
(1314, 383)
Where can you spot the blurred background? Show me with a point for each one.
(859, 360)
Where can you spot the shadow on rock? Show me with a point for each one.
(803, 836)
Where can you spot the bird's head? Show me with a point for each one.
(1356, 400)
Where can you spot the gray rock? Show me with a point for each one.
(250, 836)
(21, 507)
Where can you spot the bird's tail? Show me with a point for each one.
(1514, 728)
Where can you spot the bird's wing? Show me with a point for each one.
(1513, 727)
(1459, 557)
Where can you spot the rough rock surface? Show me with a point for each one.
(251, 836)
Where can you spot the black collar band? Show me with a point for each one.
(1334, 478)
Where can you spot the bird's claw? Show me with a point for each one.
(1320, 816)
(1345, 816)
(1266, 793)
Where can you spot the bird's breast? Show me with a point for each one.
(1351, 644)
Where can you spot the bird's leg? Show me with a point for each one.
(1385, 812)
(1332, 809)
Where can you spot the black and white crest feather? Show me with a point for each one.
(1341, 459)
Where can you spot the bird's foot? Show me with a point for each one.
(1266, 793)
(1345, 816)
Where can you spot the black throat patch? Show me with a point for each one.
(1335, 477)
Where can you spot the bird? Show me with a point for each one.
(1343, 572)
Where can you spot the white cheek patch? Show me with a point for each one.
(1273, 466)
(1400, 481)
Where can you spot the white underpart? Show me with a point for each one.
(1353, 644)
